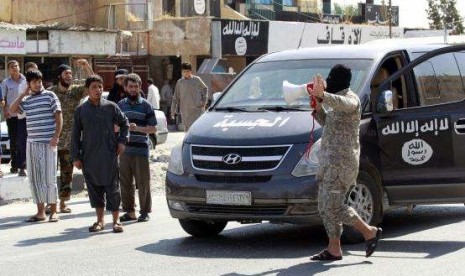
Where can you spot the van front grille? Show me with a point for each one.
(237, 159)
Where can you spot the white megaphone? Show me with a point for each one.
(292, 92)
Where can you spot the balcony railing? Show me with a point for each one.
(257, 10)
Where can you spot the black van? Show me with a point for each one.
(244, 160)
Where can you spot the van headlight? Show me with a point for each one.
(309, 166)
(175, 165)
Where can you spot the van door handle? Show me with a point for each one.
(459, 126)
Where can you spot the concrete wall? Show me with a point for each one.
(286, 35)
(5, 10)
(39, 11)
(90, 43)
(91, 13)
(157, 9)
(180, 36)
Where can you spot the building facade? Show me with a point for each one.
(153, 37)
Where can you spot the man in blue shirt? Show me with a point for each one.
(10, 90)
(134, 162)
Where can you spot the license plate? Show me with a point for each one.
(229, 198)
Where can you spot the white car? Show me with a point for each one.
(5, 143)
(162, 129)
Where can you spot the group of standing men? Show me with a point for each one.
(107, 139)
(83, 135)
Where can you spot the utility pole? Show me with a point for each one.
(445, 30)
(390, 20)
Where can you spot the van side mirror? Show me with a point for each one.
(385, 103)
(216, 95)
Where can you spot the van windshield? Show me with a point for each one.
(261, 86)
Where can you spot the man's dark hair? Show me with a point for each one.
(132, 77)
(62, 68)
(30, 65)
(338, 79)
(93, 78)
(11, 61)
(33, 75)
(186, 66)
(150, 81)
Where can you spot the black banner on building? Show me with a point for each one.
(244, 37)
(379, 15)
(201, 8)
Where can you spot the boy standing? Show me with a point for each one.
(44, 123)
(95, 149)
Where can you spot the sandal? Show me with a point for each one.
(371, 244)
(54, 218)
(96, 227)
(34, 219)
(325, 256)
(126, 217)
(65, 210)
(117, 227)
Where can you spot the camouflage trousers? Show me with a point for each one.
(66, 175)
(332, 205)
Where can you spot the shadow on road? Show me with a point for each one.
(66, 235)
(252, 241)
(19, 221)
(294, 241)
(309, 268)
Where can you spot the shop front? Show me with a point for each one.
(12, 46)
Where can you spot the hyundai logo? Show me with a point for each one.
(232, 158)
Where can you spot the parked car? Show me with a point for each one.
(162, 129)
(5, 143)
(244, 160)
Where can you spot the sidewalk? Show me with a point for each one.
(14, 187)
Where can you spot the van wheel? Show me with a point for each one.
(366, 199)
(200, 228)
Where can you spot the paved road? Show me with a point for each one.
(431, 242)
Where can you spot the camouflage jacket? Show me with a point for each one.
(340, 147)
(69, 100)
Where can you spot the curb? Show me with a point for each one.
(14, 187)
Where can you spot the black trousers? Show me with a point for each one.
(12, 124)
(21, 137)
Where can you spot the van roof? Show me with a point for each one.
(361, 51)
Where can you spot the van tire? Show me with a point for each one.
(201, 228)
(368, 187)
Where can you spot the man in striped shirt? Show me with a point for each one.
(134, 162)
(43, 123)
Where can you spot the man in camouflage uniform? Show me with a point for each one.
(70, 96)
(338, 111)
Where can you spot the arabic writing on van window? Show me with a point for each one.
(434, 125)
